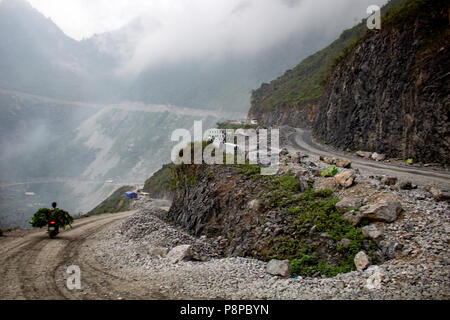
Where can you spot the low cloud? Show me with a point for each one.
(177, 31)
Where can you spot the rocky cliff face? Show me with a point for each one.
(279, 115)
(216, 201)
(391, 94)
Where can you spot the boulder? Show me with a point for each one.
(255, 204)
(389, 181)
(325, 183)
(362, 261)
(406, 185)
(279, 268)
(180, 253)
(372, 231)
(346, 178)
(386, 210)
(375, 278)
(347, 204)
(378, 157)
(364, 154)
(297, 158)
(342, 163)
(437, 194)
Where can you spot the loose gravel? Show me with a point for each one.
(420, 270)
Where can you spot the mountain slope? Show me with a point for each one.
(289, 98)
(391, 93)
(37, 57)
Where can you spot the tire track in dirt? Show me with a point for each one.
(34, 266)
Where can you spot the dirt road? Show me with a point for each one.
(302, 140)
(32, 266)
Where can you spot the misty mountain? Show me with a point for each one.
(223, 84)
(37, 57)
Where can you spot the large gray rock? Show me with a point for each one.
(343, 163)
(325, 183)
(362, 261)
(180, 253)
(372, 231)
(378, 156)
(375, 279)
(346, 178)
(279, 268)
(364, 154)
(347, 204)
(389, 181)
(437, 194)
(386, 210)
(406, 185)
(297, 158)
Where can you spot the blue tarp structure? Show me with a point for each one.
(131, 195)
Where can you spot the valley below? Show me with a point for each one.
(77, 153)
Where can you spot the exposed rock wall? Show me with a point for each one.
(289, 116)
(214, 201)
(391, 94)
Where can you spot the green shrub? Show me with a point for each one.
(116, 202)
(313, 208)
(249, 169)
(331, 171)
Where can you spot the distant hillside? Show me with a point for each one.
(283, 100)
(115, 203)
(37, 57)
(159, 185)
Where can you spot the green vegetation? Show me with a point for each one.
(331, 171)
(114, 204)
(251, 170)
(161, 182)
(43, 217)
(409, 161)
(314, 213)
(305, 83)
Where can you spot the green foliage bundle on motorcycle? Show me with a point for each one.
(43, 217)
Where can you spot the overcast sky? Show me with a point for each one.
(204, 28)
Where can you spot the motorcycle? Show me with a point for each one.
(53, 229)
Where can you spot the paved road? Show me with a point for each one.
(32, 266)
(302, 140)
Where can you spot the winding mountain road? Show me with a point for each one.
(301, 140)
(34, 267)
